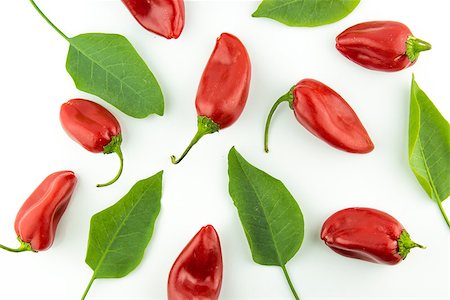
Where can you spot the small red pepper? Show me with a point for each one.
(223, 89)
(367, 234)
(163, 17)
(38, 218)
(94, 128)
(381, 45)
(197, 272)
(325, 114)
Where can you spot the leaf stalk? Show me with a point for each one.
(88, 287)
(286, 274)
(49, 22)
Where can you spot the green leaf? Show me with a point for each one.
(119, 234)
(305, 13)
(108, 66)
(429, 146)
(270, 216)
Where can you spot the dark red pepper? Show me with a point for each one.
(94, 128)
(223, 89)
(367, 234)
(38, 218)
(197, 272)
(325, 114)
(381, 45)
(163, 17)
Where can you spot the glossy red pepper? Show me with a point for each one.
(223, 89)
(381, 45)
(163, 17)
(367, 234)
(94, 128)
(325, 114)
(38, 218)
(197, 272)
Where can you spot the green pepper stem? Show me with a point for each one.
(405, 244)
(414, 46)
(286, 274)
(114, 147)
(205, 126)
(24, 246)
(288, 97)
(88, 287)
(49, 22)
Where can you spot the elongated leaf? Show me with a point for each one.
(429, 145)
(108, 66)
(305, 13)
(270, 216)
(272, 219)
(119, 234)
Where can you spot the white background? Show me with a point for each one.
(34, 84)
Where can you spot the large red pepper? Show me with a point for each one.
(163, 17)
(381, 45)
(325, 114)
(197, 272)
(38, 218)
(223, 89)
(94, 128)
(367, 234)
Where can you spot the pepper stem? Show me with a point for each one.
(414, 46)
(24, 246)
(205, 126)
(114, 147)
(405, 244)
(286, 274)
(49, 22)
(286, 97)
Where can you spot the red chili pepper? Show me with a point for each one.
(367, 234)
(163, 17)
(223, 89)
(94, 128)
(325, 114)
(381, 45)
(197, 272)
(38, 218)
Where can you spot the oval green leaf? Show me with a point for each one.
(108, 66)
(305, 13)
(120, 234)
(429, 146)
(271, 218)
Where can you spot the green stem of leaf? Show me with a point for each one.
(49, 22)
(286, 97)
(88, 287)
(439, 202)
(205, 126)
(286, 274)
(114, 147)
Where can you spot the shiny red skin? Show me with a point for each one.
(38, 218)
(377, 45)
(163, 17)
(328, 116)
(197, 272)
(224, 86)
(89, 124)
(364, 233)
